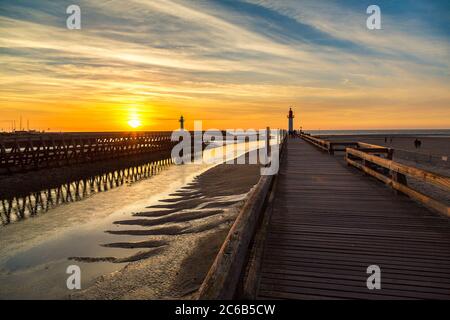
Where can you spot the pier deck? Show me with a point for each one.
(330, 222)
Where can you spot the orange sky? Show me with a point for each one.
(230, 68)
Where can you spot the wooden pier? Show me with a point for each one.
(36, 151)
(312, 231)
(20, 207)
(329, 223)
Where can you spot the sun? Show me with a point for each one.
(134, 123)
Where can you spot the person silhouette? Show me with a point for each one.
(417, 143)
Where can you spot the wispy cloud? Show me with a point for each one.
(225, 60)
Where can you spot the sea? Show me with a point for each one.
(387, 132)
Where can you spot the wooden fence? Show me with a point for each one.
(333, 146)
(394, 174)
(20, 207)
(223, 280)
(377, 161)
(20, 154)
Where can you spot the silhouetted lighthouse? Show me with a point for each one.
(181, 123)
(291, 121)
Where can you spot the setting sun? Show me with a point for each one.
(134, 123)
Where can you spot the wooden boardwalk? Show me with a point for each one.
(330, 222)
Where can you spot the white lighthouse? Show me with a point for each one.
(291, 122)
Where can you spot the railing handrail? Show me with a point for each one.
(331, 146)
(223, 277)
(323, 144)
(397, 178)
(420, 174)
(368, 153)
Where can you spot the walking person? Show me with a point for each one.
(417, 143)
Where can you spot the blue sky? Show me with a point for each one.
(228, 62)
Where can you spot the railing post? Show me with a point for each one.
(347, 157)
(399, 178)
(268, 152)
(390, 153)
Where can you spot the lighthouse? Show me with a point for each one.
(291, 122)
(181, 123)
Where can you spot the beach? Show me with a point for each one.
(191, 239)
(224, 151)
(434, 151)
(153, 239)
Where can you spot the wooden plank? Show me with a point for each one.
(329, 223)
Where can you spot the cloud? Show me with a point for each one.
(241, 56)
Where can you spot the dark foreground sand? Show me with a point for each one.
(180, 238)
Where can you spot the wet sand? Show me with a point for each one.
(136, 235)
(181, 237)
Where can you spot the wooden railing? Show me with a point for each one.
(377, 161)
(374, 149)
(223, 278)
(394, 174)
(320, 143)
(333, 146)
(21, 154)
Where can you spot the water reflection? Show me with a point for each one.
(21, 207)
(162, 218)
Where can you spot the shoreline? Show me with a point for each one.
(177, 271)
(119, 248)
